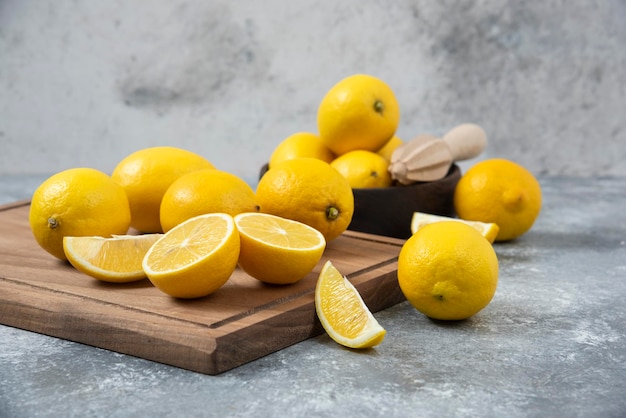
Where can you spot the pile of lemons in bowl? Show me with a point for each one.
(357, 120)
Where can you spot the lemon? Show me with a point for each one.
(448, 270)
(205, 191)
(363, 169)
(117, 259)
(342, 312)
(301, 144)
(195, 258)
(277, 250)
(390, 146)
(146, 175)
(77, 202)
(502, 192)
(359, 112)
(310, 191)
(487, 230)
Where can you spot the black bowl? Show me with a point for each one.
(388, 211)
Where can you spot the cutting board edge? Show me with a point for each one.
(15, 204)
(143, 340)
(215, 359)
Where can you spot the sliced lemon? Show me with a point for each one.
(195, 258)
(342, 312)
(116, 259)
(488, 230)
(277, 250)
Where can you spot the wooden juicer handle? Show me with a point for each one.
(465, 141)
(427, 158)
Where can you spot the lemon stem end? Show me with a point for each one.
(379, 106)
(332, 213)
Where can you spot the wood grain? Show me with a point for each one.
(242, 321)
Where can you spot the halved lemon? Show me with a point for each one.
(487, 230)
(342, 312)
(195, 258)
(117, 259)
(277, 250)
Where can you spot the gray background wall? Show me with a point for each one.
(84, 83)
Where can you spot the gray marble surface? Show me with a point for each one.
(551, 343)
(85, 83)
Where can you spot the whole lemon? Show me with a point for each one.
(310, 191)
(146, 175)
(502, 192)
(447, 270)
(363, 169)
(77, 202)
(359, 112)
(301, 144)
(205, 191)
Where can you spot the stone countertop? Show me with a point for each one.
(551, 343)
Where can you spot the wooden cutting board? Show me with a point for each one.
(242, 321)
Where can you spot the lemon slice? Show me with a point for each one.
(342, 312)
(277, 250)
(195, 258)
(116, 259)
(488, 230)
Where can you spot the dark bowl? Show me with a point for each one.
(388, 211)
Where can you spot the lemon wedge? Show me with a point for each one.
(117, 259)
(342, 312)
(487, 230)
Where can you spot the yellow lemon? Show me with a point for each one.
(146, 175)
(390, 146)
(448, 270)
(195, 258)
(117, 259)
(277, 250)
(77, 202)
(310, 191)
(487, 230)
(205, 191)
(301, 144)
(363, 169)
(342, 312)
(359, 112)
(502, 192)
